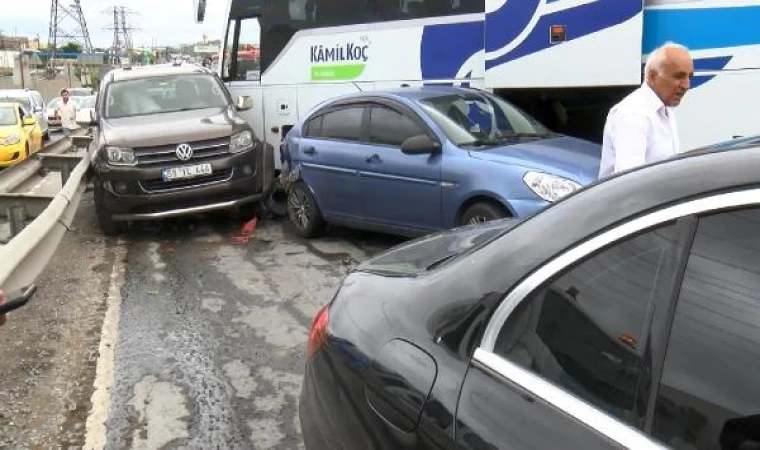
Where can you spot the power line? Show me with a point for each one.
(57, 33)
(122, 32)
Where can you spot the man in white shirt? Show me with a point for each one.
(642, 128)
(67, 112)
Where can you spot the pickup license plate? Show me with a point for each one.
(185, 172)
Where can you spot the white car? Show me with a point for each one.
(85, 108)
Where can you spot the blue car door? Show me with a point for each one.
(330, 157)
(398, 189)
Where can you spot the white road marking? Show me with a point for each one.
(95, 432)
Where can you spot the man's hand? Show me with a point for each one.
(3, 299)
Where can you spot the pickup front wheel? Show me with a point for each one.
(108, 226)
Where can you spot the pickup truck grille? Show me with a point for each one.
(163, 154)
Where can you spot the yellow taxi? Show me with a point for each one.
(20, 134)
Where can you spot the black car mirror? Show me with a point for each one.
(420, 144)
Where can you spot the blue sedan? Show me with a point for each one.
(417, 160)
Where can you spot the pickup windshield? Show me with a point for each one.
(167, 94)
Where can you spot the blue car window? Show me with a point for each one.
(390, 127)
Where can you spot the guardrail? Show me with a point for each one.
(32, 245)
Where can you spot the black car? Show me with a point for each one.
(626, 315)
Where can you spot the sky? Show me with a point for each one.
(160, 22)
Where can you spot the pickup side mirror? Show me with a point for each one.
(420, 144)
(244, 102)
(29, 121)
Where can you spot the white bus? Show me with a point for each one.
(564, 61)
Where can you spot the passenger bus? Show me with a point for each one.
(566, 62)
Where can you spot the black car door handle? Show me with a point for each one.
(373, 157)
(309, 150)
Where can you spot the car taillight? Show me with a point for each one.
(318, 332)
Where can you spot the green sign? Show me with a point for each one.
(336, 72)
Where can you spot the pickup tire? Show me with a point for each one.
(303, 211)
(108, 226)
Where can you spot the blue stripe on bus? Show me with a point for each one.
(702, 28)
(506, 23)
(446, 47)
(579, 21)
(714, 63)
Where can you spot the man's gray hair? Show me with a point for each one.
(656, 59)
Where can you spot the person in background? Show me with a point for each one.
(642, 128)
(67, 113)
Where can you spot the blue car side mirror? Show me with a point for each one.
(420, 144)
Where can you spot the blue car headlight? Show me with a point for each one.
(549, 187)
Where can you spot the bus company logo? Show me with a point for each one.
(343, 61)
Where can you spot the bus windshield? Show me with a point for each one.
(481, 119)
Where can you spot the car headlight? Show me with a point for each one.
(241, 141)
(14, 138)
(550, 187)
(121, 156)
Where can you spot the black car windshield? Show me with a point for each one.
(163, 95)
(7, 116)
(479, 118)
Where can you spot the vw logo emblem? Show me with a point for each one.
(184, 152)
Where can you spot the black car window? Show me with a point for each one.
(709, 395)
(389, 127)
(342, 124)
(586, 331)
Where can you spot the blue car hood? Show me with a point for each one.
(566, 156)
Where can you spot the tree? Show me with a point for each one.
(71, 47)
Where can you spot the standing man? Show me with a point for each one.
(642, 128)
(67, 113)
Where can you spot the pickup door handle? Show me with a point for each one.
(309, 150)
(373, 157)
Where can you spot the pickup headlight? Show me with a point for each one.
(550, 187)
(121, 156)
(241, 141)
(14, 138)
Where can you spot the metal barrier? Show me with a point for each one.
(32, 246)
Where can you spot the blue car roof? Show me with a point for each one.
(411, 93)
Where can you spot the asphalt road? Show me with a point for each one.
(175, 335)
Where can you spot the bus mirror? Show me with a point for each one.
(244, 102)
(200, 10)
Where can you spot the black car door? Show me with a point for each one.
(709, 393)
(570, 366)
